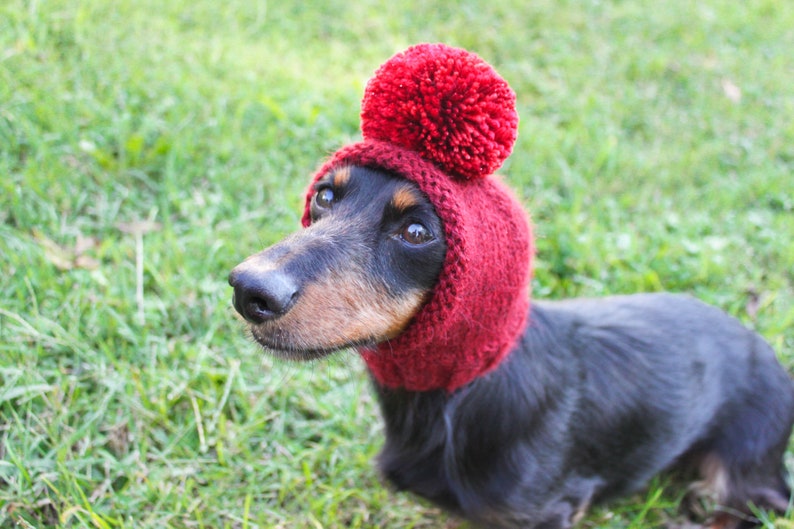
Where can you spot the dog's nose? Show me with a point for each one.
(262, 296)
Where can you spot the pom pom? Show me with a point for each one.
(446, 104)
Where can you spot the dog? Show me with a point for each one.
(595, 397)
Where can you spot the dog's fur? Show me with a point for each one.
(597, 397)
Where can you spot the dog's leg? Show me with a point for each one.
(743, 468)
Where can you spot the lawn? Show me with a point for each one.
(146, 147)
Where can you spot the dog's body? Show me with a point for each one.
(595, 398)
(599, 396)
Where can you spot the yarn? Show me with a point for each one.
(445, 103)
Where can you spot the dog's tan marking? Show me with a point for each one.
(580, 512)
(405, 197)
(714, 480)
(341, 177)
(337, 311)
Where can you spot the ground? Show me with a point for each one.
(147, 147)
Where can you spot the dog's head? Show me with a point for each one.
(355, 276)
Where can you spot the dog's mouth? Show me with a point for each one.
(334, 312)
(319, 324)
(280, 343)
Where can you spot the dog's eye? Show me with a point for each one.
(416, 233)
(324, 198)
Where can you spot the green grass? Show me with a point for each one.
(656, 151)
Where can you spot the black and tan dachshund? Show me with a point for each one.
(596, 398)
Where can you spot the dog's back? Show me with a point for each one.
(670, 371)
(597, 397)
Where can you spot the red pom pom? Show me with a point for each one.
(445, 103)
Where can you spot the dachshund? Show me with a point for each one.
(595, 398)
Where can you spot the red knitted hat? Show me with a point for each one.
(444, 119)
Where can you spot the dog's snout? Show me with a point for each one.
(262, 296)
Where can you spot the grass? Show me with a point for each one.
(147, 147)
